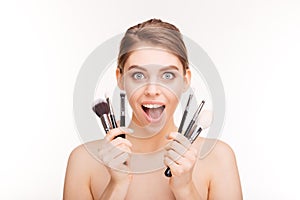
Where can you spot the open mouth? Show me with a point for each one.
(153, 111)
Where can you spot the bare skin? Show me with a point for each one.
(214, 177)
(152, 77)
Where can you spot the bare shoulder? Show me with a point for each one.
(225, 183)
(82, 164)
(219, 163)
(222, 153)
(218, 157)
(84, 154)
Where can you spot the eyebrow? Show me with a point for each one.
(169, 67)
(163, 69)
(136, 67)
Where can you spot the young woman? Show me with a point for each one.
(153, 70)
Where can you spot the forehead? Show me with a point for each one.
(152, 56)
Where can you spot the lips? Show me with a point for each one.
(153, 110)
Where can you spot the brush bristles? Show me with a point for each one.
(205, 119)
(101, 107)
(106, 95)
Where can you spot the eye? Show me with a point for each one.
(168, 76)
(138, 76)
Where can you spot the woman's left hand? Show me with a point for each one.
(181, 158)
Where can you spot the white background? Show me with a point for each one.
(254, 44)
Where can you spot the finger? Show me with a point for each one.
(110, 149)
(124, 148)
(121, 141)
(191, 154)
(108, 146)
(117, 131)
(119, 160)
(177, 147)
(173, 155)
(180, 138)
(179, 160)
(168, 161)
(188, 157)
(115, 148)
(185, 164)
(176, 169)
(107, 156)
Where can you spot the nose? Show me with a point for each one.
(152, 89)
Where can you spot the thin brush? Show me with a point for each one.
(191, 127)
(122, 106)
(112, 116)
(205, 120)
(194, 119)
(101, 109)
(168, 170)
(185, 113)
(111, 113)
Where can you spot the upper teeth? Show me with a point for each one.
(152, 105)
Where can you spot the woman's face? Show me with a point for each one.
(153, 80)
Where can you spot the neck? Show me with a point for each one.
(144, 140)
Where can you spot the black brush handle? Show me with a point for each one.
(105, 122)
(168, 172)
(190, 126)
(182, 121)
(113, 121)
(122, 122)
(121, 135)
(115, 125)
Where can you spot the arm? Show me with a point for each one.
(115, 153)
(82, 166)
(77, 179)
(181, 158)
(225, 181)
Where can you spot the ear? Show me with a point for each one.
(187, 80)
(119, 77)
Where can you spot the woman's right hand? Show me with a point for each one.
(114, 153)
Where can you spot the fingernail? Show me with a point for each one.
(127, 130)
(167, 136)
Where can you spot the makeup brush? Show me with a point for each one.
(188, 130)
(122, 106)
(112, 116)
(168, 170)
(185, 113)
(111, 112)
(203, 122)
(194, 119)
(101, 109)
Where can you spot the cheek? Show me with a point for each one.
(173, 91)
(133, 95)
(131, 87)
(176, 86)
(172, 98)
